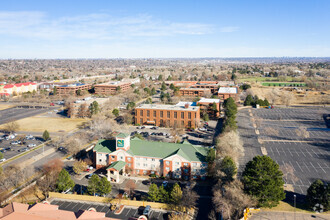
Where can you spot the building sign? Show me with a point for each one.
(120, 143)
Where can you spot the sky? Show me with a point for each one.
(164, 28)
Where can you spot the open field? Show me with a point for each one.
(5, 106)
(291, 84)
(51, 124)
(264, 79)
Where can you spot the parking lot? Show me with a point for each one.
(128, 212)
(15, 113)
(11, 148)
(308, 156)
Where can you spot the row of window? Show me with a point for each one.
(168, 113)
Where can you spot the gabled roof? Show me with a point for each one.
(118, 165)
(155, 149)
(122, 135)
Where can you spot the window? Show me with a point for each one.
(167, 168)
(141, 121)
(137, 171)
(177, 163)
(148, 113)
(167, 162)
(145, 164)
(138, 158)
(189, 115)
(100, 155)
(152, 166)
(168, 114)
(141, 113)
(152, 159)
(137, 164)
(182, 123)
(144, 172)
(154, 113)
(128, 159)
(113, 157)
(185, 170)
(185, 164)
(152, 172)
(161, 114)
(145, 159)
(175, 115)
(129, 164)
(189, 124)
(182, 114)
(100, 160)
(121, 158)
(194, 164)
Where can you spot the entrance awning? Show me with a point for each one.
(118, 165)
(151, 122)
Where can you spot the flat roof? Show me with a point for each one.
(168, 107)
(209, 100)
(113, 83)
(73, 85)
(196, 89)
(183, 103)
(232, 90)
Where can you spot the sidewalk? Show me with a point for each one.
(288, 216)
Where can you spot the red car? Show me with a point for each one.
(52, 104)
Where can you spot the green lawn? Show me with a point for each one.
(291, 84)
(264, 79)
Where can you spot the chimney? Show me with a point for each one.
(186, 105)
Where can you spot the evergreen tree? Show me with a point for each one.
(163, 87)
(266, 103)
(153, 194)
(230, 107)
(136, 91)
(228, 167)
(163, 195)
(262, 178)
(115, 112)
(94, 108)
(318, 193)
(206, 117)
(45, 135)
(210, 155)
(176, 194)
(93, 184)
(153, 91)
(248, 100)
(104, 186)
(64, 181)
(160, 77)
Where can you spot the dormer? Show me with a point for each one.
(122, 141)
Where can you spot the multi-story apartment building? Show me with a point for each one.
(112, 88)
(187, 116)
(126, 155)
(226, 92)
(194, 92)
(71, 89)
(18, 88)
(213, 87)
(207, 105)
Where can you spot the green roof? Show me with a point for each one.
(105, 146)
(118, 165)
(157, 149)
(122, 135)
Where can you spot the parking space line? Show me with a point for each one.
(128, 211)
(67, 204)
(159, 213)
(321, 168)
(292, 166)
(306, 166)
(136, 210)
(299, 166)
(313, 166)
(104, 207)
(151, 212)
(75, 205)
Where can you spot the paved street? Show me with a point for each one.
(262, 215)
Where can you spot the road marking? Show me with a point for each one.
(313, 166)
(321, 168)
(75, 205)
(135, 212)
(128, 211)
(299, 166)
(67, 204)
(306, 167)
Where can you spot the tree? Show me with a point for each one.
(230, 107)
(93, 184)
(189, 198)
(153, 194)
(228, 167)
(118, 89)
(11, 127)
(79, 92)
(206, 117)
(160, 77)
(94, 108)
(45, 135)
(263, 179)
(115, 112)
(248, 100)
(104, 186)
(130, 187)
(245, 87)
(79, 166)
(153, 91)
(229, 144)
(210, 155)
(176, 194)
(163, 86)
(64, 181)
(1, 156)
(83, 111)
(318, 193)
(163, 195)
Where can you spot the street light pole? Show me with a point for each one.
(294, 203)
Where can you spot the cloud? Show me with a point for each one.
(99, 26)
(229, 29)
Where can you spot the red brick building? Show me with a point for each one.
(186, 116)
(112, 88)
(207, 105)
(194, 92)
(72, 89)
(226, 92)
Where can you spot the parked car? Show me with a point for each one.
(89, 175)
(32, 145)
(3, 159)
(147, 210)
(23, 149)
(14, 143)
(202, 129)
(165, 183)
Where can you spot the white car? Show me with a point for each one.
(2, 160)
(202, 129)
(31, 145)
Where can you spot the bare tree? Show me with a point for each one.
(189, 198)
(272, 96)
(229, 144)
(287, 98)
(130, 187)
(11, 127)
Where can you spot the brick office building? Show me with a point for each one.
(72, 89)
(213, 87)
(186, 116)
(207, 105)
(226, 92)
(125, 155)
(194, 92)
(111, 88)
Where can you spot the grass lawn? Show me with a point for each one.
(292, 84)
(39, 124)
(264, 79)
(286, 207)
(5, 106)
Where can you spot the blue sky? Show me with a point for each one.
(138, 29)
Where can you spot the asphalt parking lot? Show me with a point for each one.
(128, 212)
(309, 156)
(12, 114)
(10, 150)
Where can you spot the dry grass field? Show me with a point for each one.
(51, 124)
(5, 106)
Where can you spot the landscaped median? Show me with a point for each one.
(154, 205)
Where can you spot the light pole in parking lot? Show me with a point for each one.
(294, 204)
